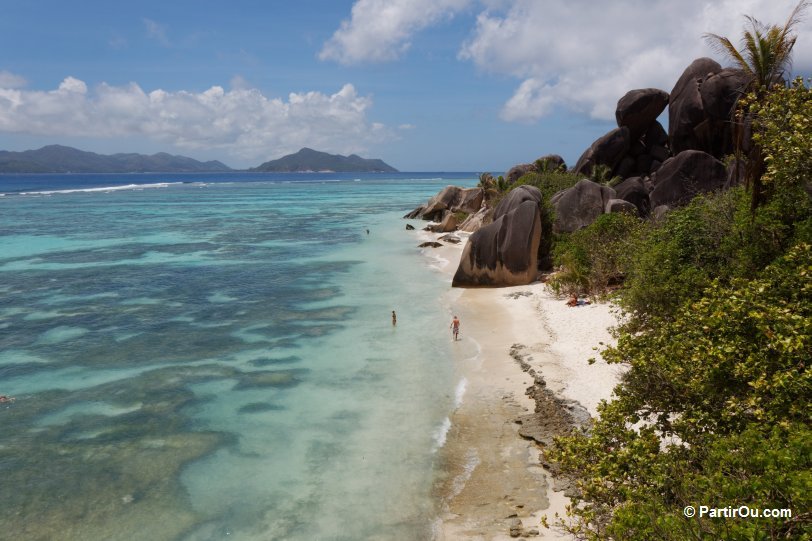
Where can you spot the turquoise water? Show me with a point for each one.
(216, 360)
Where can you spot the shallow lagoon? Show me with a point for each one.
(203, 360)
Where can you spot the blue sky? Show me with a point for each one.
(426, 85)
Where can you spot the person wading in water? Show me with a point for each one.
(455, 328)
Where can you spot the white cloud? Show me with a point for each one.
(381, 30)
(11, 80)
(157, 32)
(241, 122)
(585, 56)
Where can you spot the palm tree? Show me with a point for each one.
(766, 54)
(488, 185)
(765, 57)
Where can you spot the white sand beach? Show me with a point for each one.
(494, 475)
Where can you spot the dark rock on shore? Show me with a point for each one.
(450, 198)
(550, 161)
(518, 171)
(580, 205)
(619, 205)
(409, 227)
(553, 416)
(474, 222)
(686, 175)
(515, 198)
(452, 239)
(504, 252)
(430, 245)
(447, 224)
(634, 191)
(607, 150)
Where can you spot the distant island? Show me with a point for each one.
(309, 160)
(62, 159)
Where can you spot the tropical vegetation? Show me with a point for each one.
(765, 57)
(713, 410)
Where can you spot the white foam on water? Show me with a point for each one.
(104, 189)
(459, 393)
(471, 462)
(440, 435)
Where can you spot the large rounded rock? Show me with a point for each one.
(550, 161)
(655, 135)
(685, 110)
(619, 205)
(446, 225)
(474, 222)
(638, 109)
(451, 198)
(518, 171)
(686, 175)
(516, 197)
(580, 205)
(720, 93)
(504, 253)
(722, 90)
(634, 191)
(607, 150)
(553, 161)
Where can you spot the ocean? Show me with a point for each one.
(212, 356)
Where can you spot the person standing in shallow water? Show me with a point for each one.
(455, 328)
(394, 318)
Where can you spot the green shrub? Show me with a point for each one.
(675, 260)
(548, 182)
(597, 256)
(713, 410)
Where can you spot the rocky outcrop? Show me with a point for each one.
(619, 205)
(451, 198)
(720, 93)
(451, 239)
(608, 150)
(553, 161)
(701, 105)
(580, 205)
(639, 109)
(474, 222)
(516, 197)
(446, 225)
(518, 171)
(550, 161)
(634, 191)
(684, 176)
(505, 252)
(639, 144)
(685, 111)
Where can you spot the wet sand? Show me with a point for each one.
(513, 339)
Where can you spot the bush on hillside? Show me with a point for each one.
(712, 411)
(674, 260)
(597, 256)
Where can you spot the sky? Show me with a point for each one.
(425, 85)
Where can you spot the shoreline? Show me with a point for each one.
(514, 342)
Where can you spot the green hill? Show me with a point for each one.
(312, 160)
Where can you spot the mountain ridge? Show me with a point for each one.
(65, 159)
